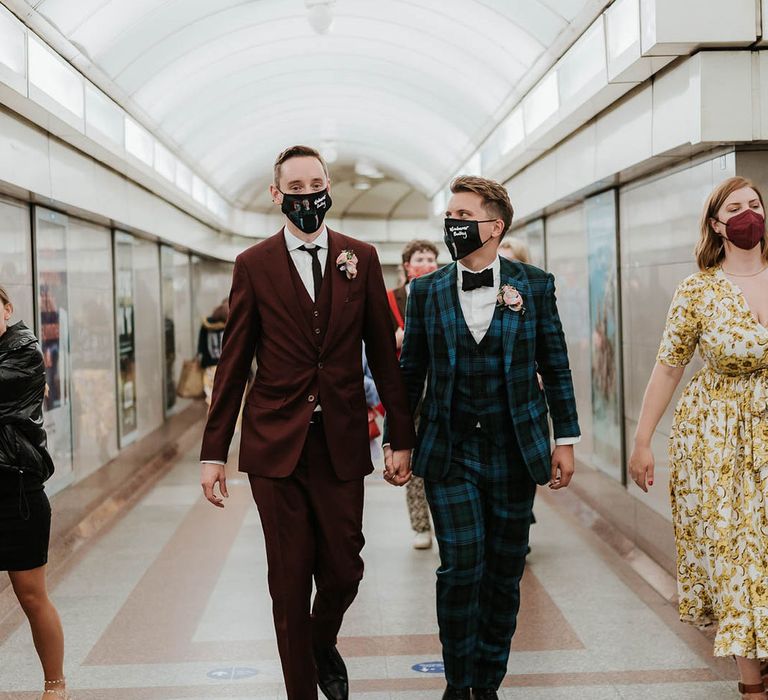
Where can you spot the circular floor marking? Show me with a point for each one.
(429, 667)
(232, 673)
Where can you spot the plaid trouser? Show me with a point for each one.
(482, 513)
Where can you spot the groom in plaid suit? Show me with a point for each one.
(480, 329)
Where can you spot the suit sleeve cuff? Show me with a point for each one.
(568, 441)
(212, 461)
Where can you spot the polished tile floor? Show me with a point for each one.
(172, 603)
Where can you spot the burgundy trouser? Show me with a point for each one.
(312, 525)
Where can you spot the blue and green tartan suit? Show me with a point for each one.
(532, 342)
(480, 481)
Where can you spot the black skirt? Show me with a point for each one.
(25, 522)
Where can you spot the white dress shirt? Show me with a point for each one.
(303, 262)
(478, 307)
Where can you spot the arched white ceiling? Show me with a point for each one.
(413, 86)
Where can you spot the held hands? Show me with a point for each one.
(211, 474)
(641, 466)
(562, 467)
(397, 466)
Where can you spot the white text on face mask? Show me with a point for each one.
(458, 231)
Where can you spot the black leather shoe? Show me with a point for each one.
(453, 693)
(484, 694)
(332, 676)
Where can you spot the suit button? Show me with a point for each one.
(317, 331)
(316, 314)
(319, 365)
(311, 398)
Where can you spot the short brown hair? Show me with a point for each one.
(297, 152)
(495, 196)
(710, 250)
(4, 298)
(418, 246)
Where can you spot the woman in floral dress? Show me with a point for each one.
(719, 441)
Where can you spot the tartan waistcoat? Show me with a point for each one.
(480, 392)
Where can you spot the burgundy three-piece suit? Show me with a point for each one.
(307, 475)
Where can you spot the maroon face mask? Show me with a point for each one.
(745, 230)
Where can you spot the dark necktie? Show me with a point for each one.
(475, 280)
(317, 271)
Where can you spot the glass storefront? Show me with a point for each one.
(92, 345)
(54, 334)
(16, 260)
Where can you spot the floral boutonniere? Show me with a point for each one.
(509, 297)
(347, 262)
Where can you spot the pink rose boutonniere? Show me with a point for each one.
(347, 262)
(508, 296)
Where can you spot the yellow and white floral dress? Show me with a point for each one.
(719, 463)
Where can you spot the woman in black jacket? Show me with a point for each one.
(25, 514)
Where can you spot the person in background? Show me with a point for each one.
(718, 446)
(375, 409)
(419, 259)
(514, 249)
(25, 512)
(209, 343)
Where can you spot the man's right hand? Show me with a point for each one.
(210, 475)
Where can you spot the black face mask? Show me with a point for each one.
(462, 236)
(306, 211)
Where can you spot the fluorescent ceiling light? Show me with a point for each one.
(368, 169)
(103, 115)
(320, 15)
(622, 26)
(511, 131)
(541, 103)
(12, 53)
(583, 63)
(139, 142)
(55, 77)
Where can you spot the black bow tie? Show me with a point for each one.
(475, 280)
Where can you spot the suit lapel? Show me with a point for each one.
(340, 284)
(447, 302)
(513, 274)
(279, 272)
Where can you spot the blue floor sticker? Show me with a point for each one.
(236, 673)
(429, 667)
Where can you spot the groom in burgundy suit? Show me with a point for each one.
(303, 301)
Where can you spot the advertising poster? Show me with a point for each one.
(604, 333)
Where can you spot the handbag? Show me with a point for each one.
(190, 384)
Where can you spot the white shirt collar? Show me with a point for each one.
(292, 243)
(495, 266)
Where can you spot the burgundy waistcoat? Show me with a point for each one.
(315, 314)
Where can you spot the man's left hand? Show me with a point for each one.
(562, 467)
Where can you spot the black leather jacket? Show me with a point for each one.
(23, 444)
